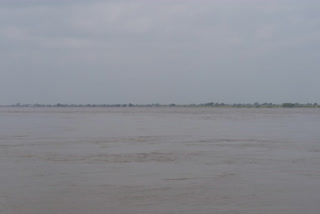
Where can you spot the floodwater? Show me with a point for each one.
(159, 161)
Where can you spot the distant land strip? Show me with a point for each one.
(210, 104)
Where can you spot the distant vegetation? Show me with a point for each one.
(210, 104)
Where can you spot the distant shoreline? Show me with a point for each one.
(204, 105)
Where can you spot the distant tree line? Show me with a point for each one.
(209, 104)
(298, 105)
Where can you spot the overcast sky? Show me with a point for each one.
(159, 51)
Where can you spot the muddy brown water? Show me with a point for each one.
(159, 160)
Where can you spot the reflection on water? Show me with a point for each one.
(159, 160)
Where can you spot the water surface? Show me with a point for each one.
(159, 160)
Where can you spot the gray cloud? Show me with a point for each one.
(159, 51)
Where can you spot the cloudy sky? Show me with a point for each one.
(159, 51)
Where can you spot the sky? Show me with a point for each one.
(159, 51)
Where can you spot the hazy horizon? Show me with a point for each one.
(139, 51)
(204, 104)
